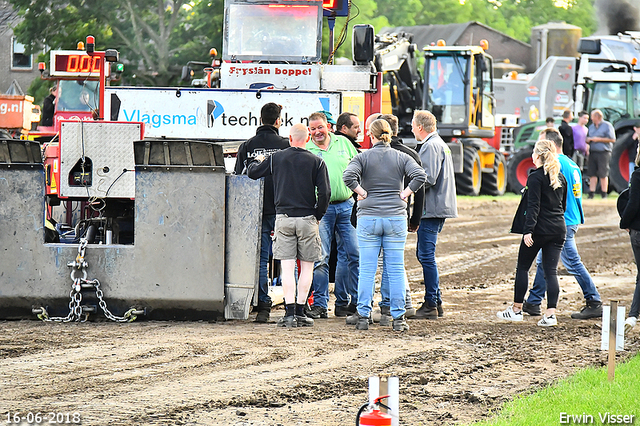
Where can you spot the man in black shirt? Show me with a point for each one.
(265, 142)
(297, 176)
(567, 133)
(48, 107)
(348, 125)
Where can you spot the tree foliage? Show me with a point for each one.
(512, 17)
(155, 37)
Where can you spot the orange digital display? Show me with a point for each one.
(75, 64)
(82, 64)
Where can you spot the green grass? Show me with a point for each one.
(587, 392)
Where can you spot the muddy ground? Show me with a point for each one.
(453, 370)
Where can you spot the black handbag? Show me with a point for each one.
(517, 226)
(623, 199)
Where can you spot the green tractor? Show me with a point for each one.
(610, 85)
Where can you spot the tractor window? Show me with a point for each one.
(636, 99)
(486, 75)
(77, 95)
(611, 99)
(272, 32)
(446, 84)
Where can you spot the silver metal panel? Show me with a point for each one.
(347, 78)
(179, 234)
(457, 154)
(244, 227)
(174, 269)
(109, 145)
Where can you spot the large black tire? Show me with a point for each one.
(619, 163)
(519, 165)
(469, 181)
(495, 183)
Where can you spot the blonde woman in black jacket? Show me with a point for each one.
(543, 228)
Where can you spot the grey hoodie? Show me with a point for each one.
(440, 187)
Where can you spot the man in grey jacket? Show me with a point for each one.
(439, 204)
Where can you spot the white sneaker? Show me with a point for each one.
(548, 321)
(629, 324)
(509, 315)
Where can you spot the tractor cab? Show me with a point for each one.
(77, 96)
(458, 90)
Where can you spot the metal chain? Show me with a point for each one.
(75, 308)
(76, 312)
(127, 317)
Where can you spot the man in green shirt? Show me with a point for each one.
(337, 152)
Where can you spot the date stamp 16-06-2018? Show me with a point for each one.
(42, 417)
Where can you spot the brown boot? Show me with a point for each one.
(426, 312)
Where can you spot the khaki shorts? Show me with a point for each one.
(297, 238)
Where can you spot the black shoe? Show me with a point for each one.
(591, 194)
(531, 309)
(343, 311)
(304, 321)
(426, 312)
(385, 316)
(440, 310)
(288, 322)
(317, 312)
(593, 309)
(264, 310)
(400, 324)
(361, 323)
(604, 195)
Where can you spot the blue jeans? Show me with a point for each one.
(337, 223)
(268, 223)
(390, 234)
(571, 260)
(426, 253)
(384, 286)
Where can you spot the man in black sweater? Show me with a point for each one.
(265, 142)
(49, 107)
(298, 175)
(567, 133)
(348, 125)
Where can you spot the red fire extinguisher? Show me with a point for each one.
(375, 417)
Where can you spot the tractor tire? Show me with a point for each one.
(469, 181)
(495, 183)
(619, 163)
(520, 163)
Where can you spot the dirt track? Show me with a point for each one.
(452, 370)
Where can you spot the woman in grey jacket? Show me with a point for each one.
(377, 176)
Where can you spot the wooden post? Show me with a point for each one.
(613, 328)
(384, 390)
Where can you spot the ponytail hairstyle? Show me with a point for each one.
(381, 130)
(546, 150)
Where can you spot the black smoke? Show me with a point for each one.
(618, 16)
